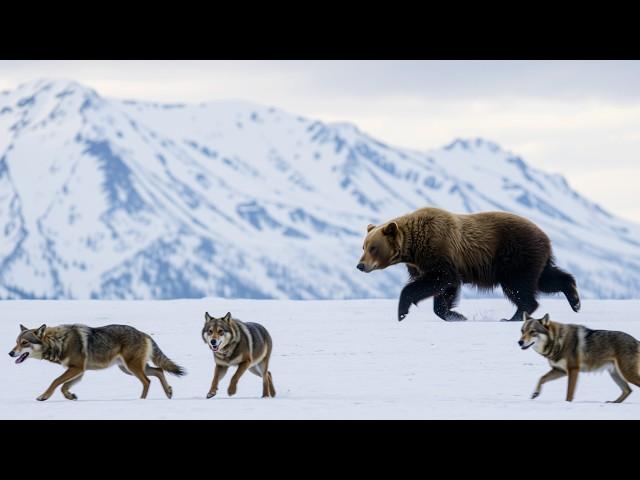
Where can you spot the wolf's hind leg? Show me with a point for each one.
(262, 370)
(553, 374)
(70, 374)
(139, 372)
(272, 389)
(629, 371)
(157, 372)
(624, 386)
(65, 388)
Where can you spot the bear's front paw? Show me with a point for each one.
(42, 397)
(231, 390)
(211, 394)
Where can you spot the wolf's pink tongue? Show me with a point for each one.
(22, 357)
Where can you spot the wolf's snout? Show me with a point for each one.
(12, 353)
(361, 267)
(520, 342)
(213, 343)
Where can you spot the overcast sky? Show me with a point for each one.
(580, 119)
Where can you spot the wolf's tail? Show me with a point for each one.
(164, 362)
(553, 280)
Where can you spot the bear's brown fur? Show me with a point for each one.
(443, 250)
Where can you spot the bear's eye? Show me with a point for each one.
(372, 250)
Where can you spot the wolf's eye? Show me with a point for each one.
(25, 343)
(220, 332)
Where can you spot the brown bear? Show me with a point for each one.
(443, 250)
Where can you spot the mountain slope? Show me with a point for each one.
(103, 198)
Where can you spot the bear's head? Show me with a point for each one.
(382, 247)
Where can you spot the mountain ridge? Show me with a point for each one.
(108, 198)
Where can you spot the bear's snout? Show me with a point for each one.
(360, 267)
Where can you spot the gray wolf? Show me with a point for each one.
(571, 349)
(242, 344)
(80, 348)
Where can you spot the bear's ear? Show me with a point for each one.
(390, 229)
(370, 227)
(545, 320)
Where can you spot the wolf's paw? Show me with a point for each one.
(42, 398)
(232, 390)
(169, 392)
(211, 394)
(535, 395)
(70, 396)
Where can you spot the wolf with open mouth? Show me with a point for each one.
(243, 344)
(80, 348)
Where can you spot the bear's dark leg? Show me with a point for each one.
(416, 291)
(554, 280)
(445, 301)
(523, 296)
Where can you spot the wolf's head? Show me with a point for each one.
(28, 343)
(535, 332)
(217, 332)
(382, 247)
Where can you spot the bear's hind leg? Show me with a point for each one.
(445, 301)
(523, 296)
(554, 280)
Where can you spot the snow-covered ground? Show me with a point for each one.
(331, 360)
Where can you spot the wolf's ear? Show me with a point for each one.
(390, 229)
(545, 320)
(207, 317)
(40, 330)
(370, 227)
(23, 328)
(227, 317)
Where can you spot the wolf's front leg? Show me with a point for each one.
(233, 385)
(67, 376)
(573, 380)
(65, 388)
(218, 374)
(553, 374)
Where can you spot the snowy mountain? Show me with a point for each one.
(102, 198)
